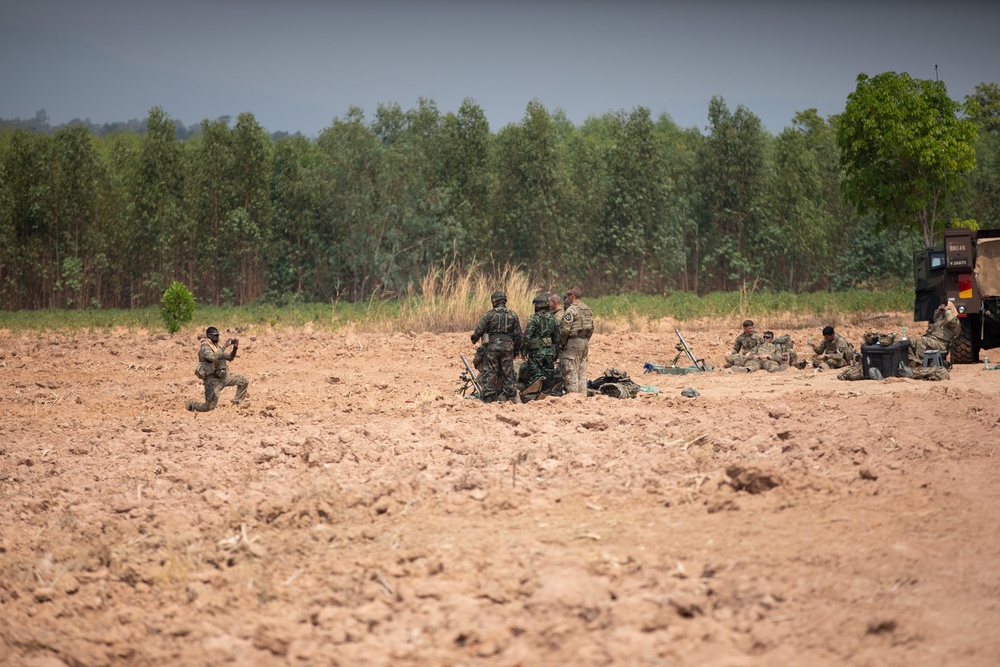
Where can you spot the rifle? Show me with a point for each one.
(472, 376)
(687, 348)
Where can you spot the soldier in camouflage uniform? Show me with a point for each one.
(767, 355)
(787, 349)
(500, 330)
(213, 368)
(940, 331)
(744, 346)
(558, 308)
(575, 329)
(541, 340)
(833, 351)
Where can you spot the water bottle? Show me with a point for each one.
(649, 389)
(986, 363)
(904, 333)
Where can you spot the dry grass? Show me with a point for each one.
(453, 297)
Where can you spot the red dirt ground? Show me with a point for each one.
(357, 512)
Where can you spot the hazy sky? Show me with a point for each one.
(298, 64)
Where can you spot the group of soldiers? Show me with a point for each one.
(555, 344)
(752, 351)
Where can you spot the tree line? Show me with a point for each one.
(623, 202)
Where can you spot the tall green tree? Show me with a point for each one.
(526, 208)
(464, 171)
(160, 228)
(636, 226)
(732, 176)
(248, 222)
(295, 248)
(903, 147)
(797, 205)
(347, 177)
(983, 205)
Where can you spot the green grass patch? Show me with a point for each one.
(458, 312)
(742, 305)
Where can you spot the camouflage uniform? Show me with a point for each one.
(744, 345)
(757, 362)
(213, 363)
(940, 331)
(541, 339)
(839, 352)
(785, 347)
(503, 329)
(558, 316)
(575, 328)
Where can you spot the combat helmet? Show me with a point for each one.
(499, 296)
(540, 302)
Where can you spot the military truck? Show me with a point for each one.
(966, 271)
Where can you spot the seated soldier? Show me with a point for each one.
(833, 351)
(767, 355)
(787, 348)
(940, 331)
(744, 346)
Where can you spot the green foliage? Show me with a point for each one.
(177, 306)
(902, 148)
(361, 215)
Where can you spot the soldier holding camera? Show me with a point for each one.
(213, 370)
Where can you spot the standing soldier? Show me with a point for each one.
(833, 351)
(575, 328)
(744, 346)
(213, 369)
(541, 340)
(500, 331)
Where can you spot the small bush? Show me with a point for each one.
(177, 306)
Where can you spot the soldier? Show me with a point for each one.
(500, 331)
(744, 346)
(541, 340)
(833, 351)
(213, 369)
(787, 349)
(940, 331)
(556, 307)
(767, 355)
(575, 329)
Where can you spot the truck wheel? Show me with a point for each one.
(962, 349)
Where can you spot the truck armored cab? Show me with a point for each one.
(966, 271)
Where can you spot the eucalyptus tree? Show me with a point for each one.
(983, 107)
(584, 165)
(732, 177)
(212, 197)
(293, 270)
(409, 227)
(158, 235)
(347, 177)
(465, 174)
(27, 228)
(526, 207)
(797, 205)
(638, 233)
(76, 183)
(247, 224)
(903, 148)
(681, 149)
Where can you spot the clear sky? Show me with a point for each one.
(298, 64)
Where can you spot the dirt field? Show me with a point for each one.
(356, 512)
